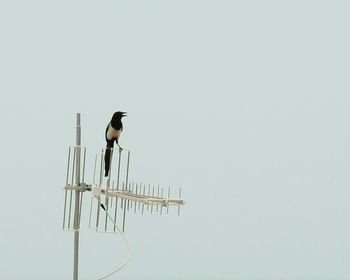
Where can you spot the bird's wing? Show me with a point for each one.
(107, 131)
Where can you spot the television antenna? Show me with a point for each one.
(115, 195)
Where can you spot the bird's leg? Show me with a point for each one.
(120, 148)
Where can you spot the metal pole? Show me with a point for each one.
(77, 201)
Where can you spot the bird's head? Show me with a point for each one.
(118, 115)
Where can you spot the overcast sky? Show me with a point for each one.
(243, 104)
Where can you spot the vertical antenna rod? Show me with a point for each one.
(126, 187)
(77, 201)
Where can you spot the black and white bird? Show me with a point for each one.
(113, 131)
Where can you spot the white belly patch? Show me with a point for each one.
(112, 133)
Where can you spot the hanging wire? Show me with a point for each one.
(125, 240)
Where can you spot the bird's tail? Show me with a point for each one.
(108, 159)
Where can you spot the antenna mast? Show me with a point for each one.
(119, 194)
(77, 201)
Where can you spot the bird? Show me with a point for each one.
(113, 131)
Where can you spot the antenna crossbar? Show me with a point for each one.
(127, 194)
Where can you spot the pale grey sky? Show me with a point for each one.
(244, 104)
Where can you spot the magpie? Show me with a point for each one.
(113, 131)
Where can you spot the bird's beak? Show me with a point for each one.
(124, 114)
